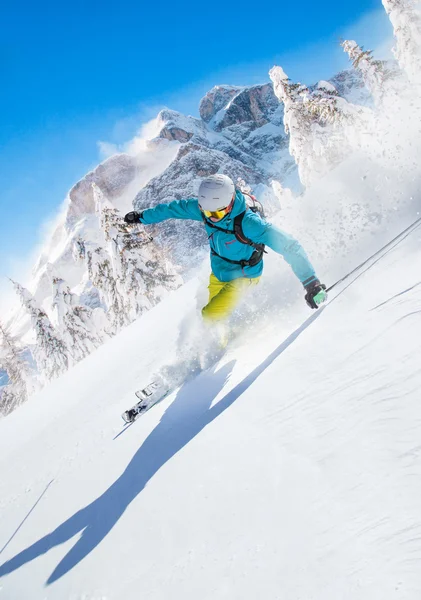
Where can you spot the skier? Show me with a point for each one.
(237, 238)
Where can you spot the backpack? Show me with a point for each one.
(254, 205)
(259, 249)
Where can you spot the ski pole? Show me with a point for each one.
(398, 239)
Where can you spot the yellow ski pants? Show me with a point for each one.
(224, 296)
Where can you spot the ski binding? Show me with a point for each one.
(148, 397)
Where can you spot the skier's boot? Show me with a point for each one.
(129, 415)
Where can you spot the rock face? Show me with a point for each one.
(112, 176)
(217, 99)
(253, 122)
(255, 106)
(177, 127)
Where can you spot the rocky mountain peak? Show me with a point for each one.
(217, 99)
(112, 176)
(254, 104)
(178, 127)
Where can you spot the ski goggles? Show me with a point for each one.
(218, 214)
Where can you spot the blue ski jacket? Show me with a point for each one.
(226, 244)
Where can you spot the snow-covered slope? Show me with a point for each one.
(289, 469)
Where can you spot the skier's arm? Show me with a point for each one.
(262, 232)
(177, 209)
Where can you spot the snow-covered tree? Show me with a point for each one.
(101, 273)
(108, 262)
(322, 125)
(331, 119)
(341, 126)
(326, 105)
(147, 275)
(375, 73)
(75, 322)
(18, 371)
(51, 353)
(297, 122)
(141, 273)
(113, 225)
(405, 17)
(79, 250)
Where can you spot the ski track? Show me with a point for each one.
(288, 470)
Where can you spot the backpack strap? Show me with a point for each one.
(259, 249)
(239, 233)
(210, 224)
(254, 259)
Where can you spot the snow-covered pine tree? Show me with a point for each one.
(101, 274)
(51, 353)
(320, 123)
(405, 17)
(322, 102)
(142, 273)
(323, 127)
(108, 262)
(376, 74)
(297, 122)
(13, 362)
(75, 322)
(113, 225)
(341, 127)
(331, 117)
(147, 275)
(79, 250)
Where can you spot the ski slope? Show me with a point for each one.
(290, 470)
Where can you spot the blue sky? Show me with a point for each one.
(77, 73)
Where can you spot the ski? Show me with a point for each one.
(148, 396)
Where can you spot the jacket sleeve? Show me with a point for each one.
(262, 232)
(177, 209)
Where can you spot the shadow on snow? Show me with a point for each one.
(185, 418)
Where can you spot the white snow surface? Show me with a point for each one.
(290, 469)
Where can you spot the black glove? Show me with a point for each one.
(132, 217)
(315, 294)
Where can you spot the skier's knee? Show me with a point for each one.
(207, 314)
(210, 315)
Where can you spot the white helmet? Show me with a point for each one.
(216, 192)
